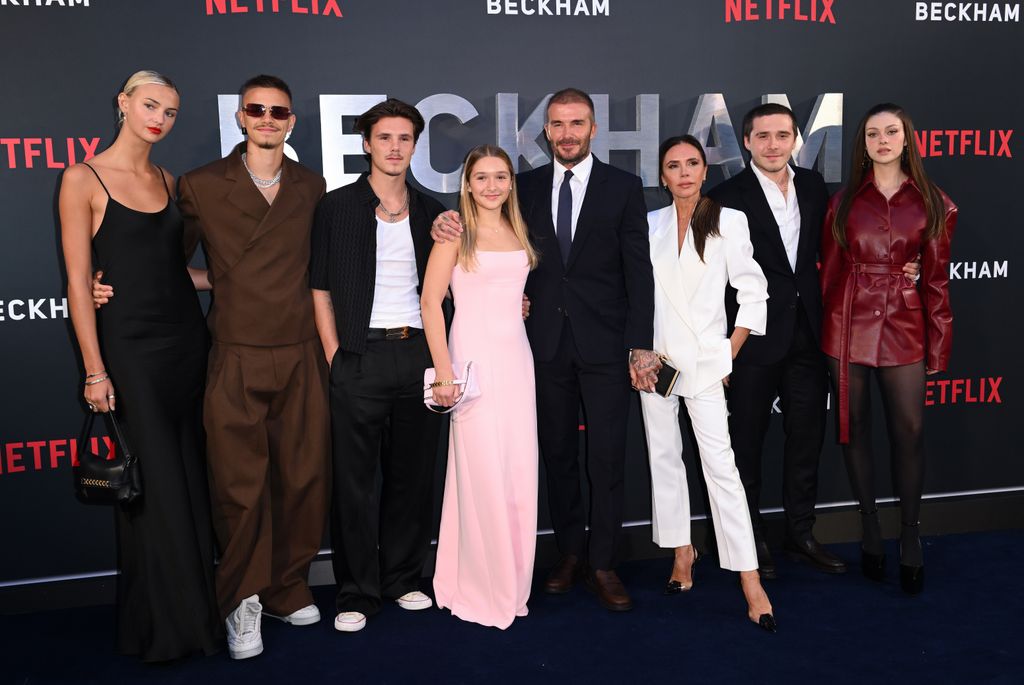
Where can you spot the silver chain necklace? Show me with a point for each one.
(392, 217)
(262, 182)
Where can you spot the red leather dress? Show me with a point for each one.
(873, 314)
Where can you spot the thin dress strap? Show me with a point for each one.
(164, 179)
(100, 179)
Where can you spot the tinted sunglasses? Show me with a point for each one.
(276, 112)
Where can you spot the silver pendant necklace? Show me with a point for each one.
(392, 217)
(262, 182)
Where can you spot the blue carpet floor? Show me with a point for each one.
(965, 628)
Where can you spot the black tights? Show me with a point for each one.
(902, 389)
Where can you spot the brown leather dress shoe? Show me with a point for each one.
(609, 590)
(563, 576)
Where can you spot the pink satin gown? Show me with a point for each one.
(488, 535)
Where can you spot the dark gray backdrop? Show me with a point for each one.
(60, 66)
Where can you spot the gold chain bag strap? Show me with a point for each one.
(106, 481)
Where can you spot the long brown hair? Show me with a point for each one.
(509, 210)
(911, 164)
(706, 213)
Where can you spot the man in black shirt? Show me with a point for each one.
(371, 240)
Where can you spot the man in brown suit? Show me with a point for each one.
(265, 409)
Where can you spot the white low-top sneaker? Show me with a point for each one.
(349, 621)
(302, 617)
(414, 601)
(243, 624)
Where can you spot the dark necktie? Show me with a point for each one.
(563, 226)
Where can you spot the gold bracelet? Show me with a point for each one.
(98, 373)
(97, 380)
(440, 384)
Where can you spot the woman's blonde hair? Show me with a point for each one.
(141, 78)
(509, 210)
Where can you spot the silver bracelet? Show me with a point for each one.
(97, 380)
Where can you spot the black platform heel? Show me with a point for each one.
(871, 565)
(911, 577)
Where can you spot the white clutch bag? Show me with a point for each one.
(465, 381)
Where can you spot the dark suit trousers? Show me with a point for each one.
(378, 421)
(562, 383)
(799, 380)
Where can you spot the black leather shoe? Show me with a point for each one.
(872, 566)
(821, 558)
(765, 564)
(912, 579)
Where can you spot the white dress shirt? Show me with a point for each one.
(785, 210)
(578, 183)
(395, 300)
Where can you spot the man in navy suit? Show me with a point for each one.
(591, 330)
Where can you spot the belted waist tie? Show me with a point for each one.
(844, 339)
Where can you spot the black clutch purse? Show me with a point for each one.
(106, 481)
(667, 377)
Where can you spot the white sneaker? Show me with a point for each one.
(303, 617)
(244, 639)
(350, 621)
(414, 601)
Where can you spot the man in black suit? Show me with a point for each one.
(371, 240)
(785, 207)
(592, 309)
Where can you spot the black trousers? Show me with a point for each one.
(378, 421)
(801, 383)
(562, 383)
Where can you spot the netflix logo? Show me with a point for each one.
(49, 153)
(963, 391)
(46, 455)
(325, 8)
(819, 11)
(964, 143)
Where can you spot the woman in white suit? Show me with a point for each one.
(697, 249)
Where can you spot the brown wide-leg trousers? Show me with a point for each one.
(267, 432)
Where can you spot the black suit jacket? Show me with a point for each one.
(744, 192)
(606, 289)
(344, 253)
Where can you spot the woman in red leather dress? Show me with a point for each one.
(878, 322)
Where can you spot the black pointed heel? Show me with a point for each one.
(675, 587)
(767, 622)
(911, 577)
(872, 566)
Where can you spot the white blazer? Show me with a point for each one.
(689, 296)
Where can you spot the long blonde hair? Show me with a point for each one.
(509, 210)
(141, 78)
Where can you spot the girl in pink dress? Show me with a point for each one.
(488, 532)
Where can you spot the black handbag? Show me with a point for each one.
(106, 481)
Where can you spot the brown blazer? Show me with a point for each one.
(257, 254)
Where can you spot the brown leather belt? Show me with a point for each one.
(400, 333)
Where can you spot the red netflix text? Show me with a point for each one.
(55, 153)
(779, 10)
(963, 391)
(319, 7)
(964, 143)
(44, 455)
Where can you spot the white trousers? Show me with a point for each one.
(670, 506)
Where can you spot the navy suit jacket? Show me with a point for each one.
(744, 192)
(606, 289)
